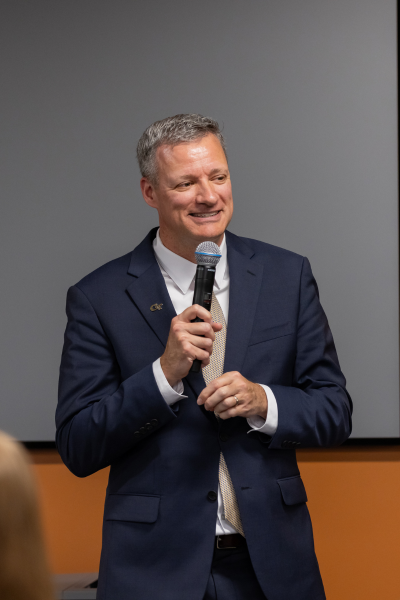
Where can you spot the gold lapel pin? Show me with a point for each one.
(156, 306)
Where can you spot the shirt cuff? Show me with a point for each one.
(170, 395)
(270, 424)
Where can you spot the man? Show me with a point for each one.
(205, 499)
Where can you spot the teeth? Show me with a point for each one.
(206, 214)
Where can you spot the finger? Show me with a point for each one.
(193, 352)
(228, 414)
(224, 405)
(220, 395)
(207, 329)
(214, 385)
(204, 329)
(200, 342)
(194, 311)
(200, 354)
(206, 393)
(205, 363)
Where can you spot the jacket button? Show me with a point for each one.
(212, 496)
(224, 437)
(154, 422)
(142, 430)
(148, 426)
(137, 435)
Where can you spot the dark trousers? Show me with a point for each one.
(232, 577)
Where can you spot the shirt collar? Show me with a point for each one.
(182, 271)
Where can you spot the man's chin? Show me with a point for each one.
(212, 234)
(207, 231)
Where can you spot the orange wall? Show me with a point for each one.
(354, 501)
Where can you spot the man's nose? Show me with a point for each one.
(206, 193)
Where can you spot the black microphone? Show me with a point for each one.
(207, 257)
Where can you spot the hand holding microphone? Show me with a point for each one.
(192, 332)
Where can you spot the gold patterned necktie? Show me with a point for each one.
(213, 370)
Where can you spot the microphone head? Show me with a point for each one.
(207, 253)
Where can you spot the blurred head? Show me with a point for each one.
(185, 176)
(24, 573)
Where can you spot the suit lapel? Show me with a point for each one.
(245, 282)
(148, 288)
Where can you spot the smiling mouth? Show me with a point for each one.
(205, 215)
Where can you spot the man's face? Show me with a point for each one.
(193, 195)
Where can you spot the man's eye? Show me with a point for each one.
(184, 184)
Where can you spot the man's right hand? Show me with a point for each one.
(185, 343)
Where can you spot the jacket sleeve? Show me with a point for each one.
(317, 410)
(99, 417)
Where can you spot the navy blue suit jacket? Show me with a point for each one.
(159, 519)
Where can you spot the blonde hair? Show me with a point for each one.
(24, 574)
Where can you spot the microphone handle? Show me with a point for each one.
(203, 288)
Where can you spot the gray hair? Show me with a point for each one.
(172, 131)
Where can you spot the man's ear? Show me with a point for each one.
(148, 192)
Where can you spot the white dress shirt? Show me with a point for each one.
(179, 276)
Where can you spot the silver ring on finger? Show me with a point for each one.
(237, 401)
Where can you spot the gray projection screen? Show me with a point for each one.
(307, 93)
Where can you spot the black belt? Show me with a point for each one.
(229, 542)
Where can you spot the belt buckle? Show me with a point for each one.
(225, 547)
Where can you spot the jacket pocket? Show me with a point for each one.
(271, 333)
(126, 507)
(292, 490)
